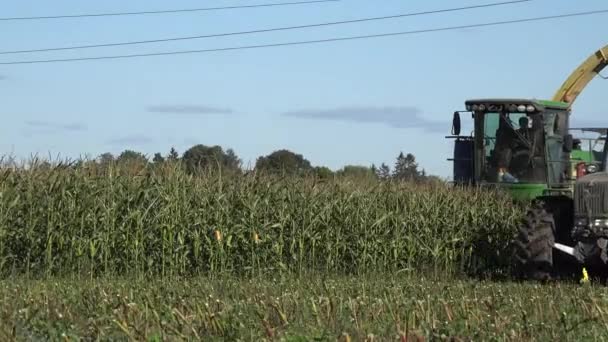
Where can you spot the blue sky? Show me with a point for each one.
(353, 102)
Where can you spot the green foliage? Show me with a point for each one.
(173, 155)
(384, 172)
(323, 172)
(130, 156)
(158, 158)
(406, 168)
(356, 172)
(106, 159)
(163, 222)
(283, 162)
(202, 158)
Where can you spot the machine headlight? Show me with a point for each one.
(582, 222)
(521, 108)
(475, 107)
(482, 107)
(468, 107)
(530, 108)
(591, 168)
(600, 223)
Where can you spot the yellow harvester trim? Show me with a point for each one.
(579, 79)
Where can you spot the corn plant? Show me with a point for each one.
(116, 220)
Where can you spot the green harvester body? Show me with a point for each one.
(527, 149)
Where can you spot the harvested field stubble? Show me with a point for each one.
(294, 309)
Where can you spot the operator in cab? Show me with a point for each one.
(523, 129)
(513, 150)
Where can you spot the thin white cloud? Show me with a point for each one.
(55, 126)
(188, 109)
(398, 117)
(135, 139)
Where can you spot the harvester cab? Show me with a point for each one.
(520, 145)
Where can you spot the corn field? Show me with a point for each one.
(86, 221)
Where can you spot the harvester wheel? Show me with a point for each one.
(534, 244)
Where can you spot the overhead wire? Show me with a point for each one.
(449, 28)
(266, 30)
(71, 16)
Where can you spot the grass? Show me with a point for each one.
(380, 308)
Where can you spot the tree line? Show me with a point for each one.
(200, 158)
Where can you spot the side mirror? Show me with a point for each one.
(456, 124)
(568, 143)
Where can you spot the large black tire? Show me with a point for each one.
(534, 245)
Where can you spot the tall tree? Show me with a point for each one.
(105, 159)
(284, 162)
(232, 159)
(406, 168)
(158, 158)
(384, 172)
(131, 162)
(173, 155)
(201, 157)
(323, 172)
(357, 172)
(131, 156)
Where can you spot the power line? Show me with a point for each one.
(264, 30)
(165, 11)
(449, 28)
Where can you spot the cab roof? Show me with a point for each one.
(540, 105)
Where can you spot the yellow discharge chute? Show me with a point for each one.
(578, 80)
